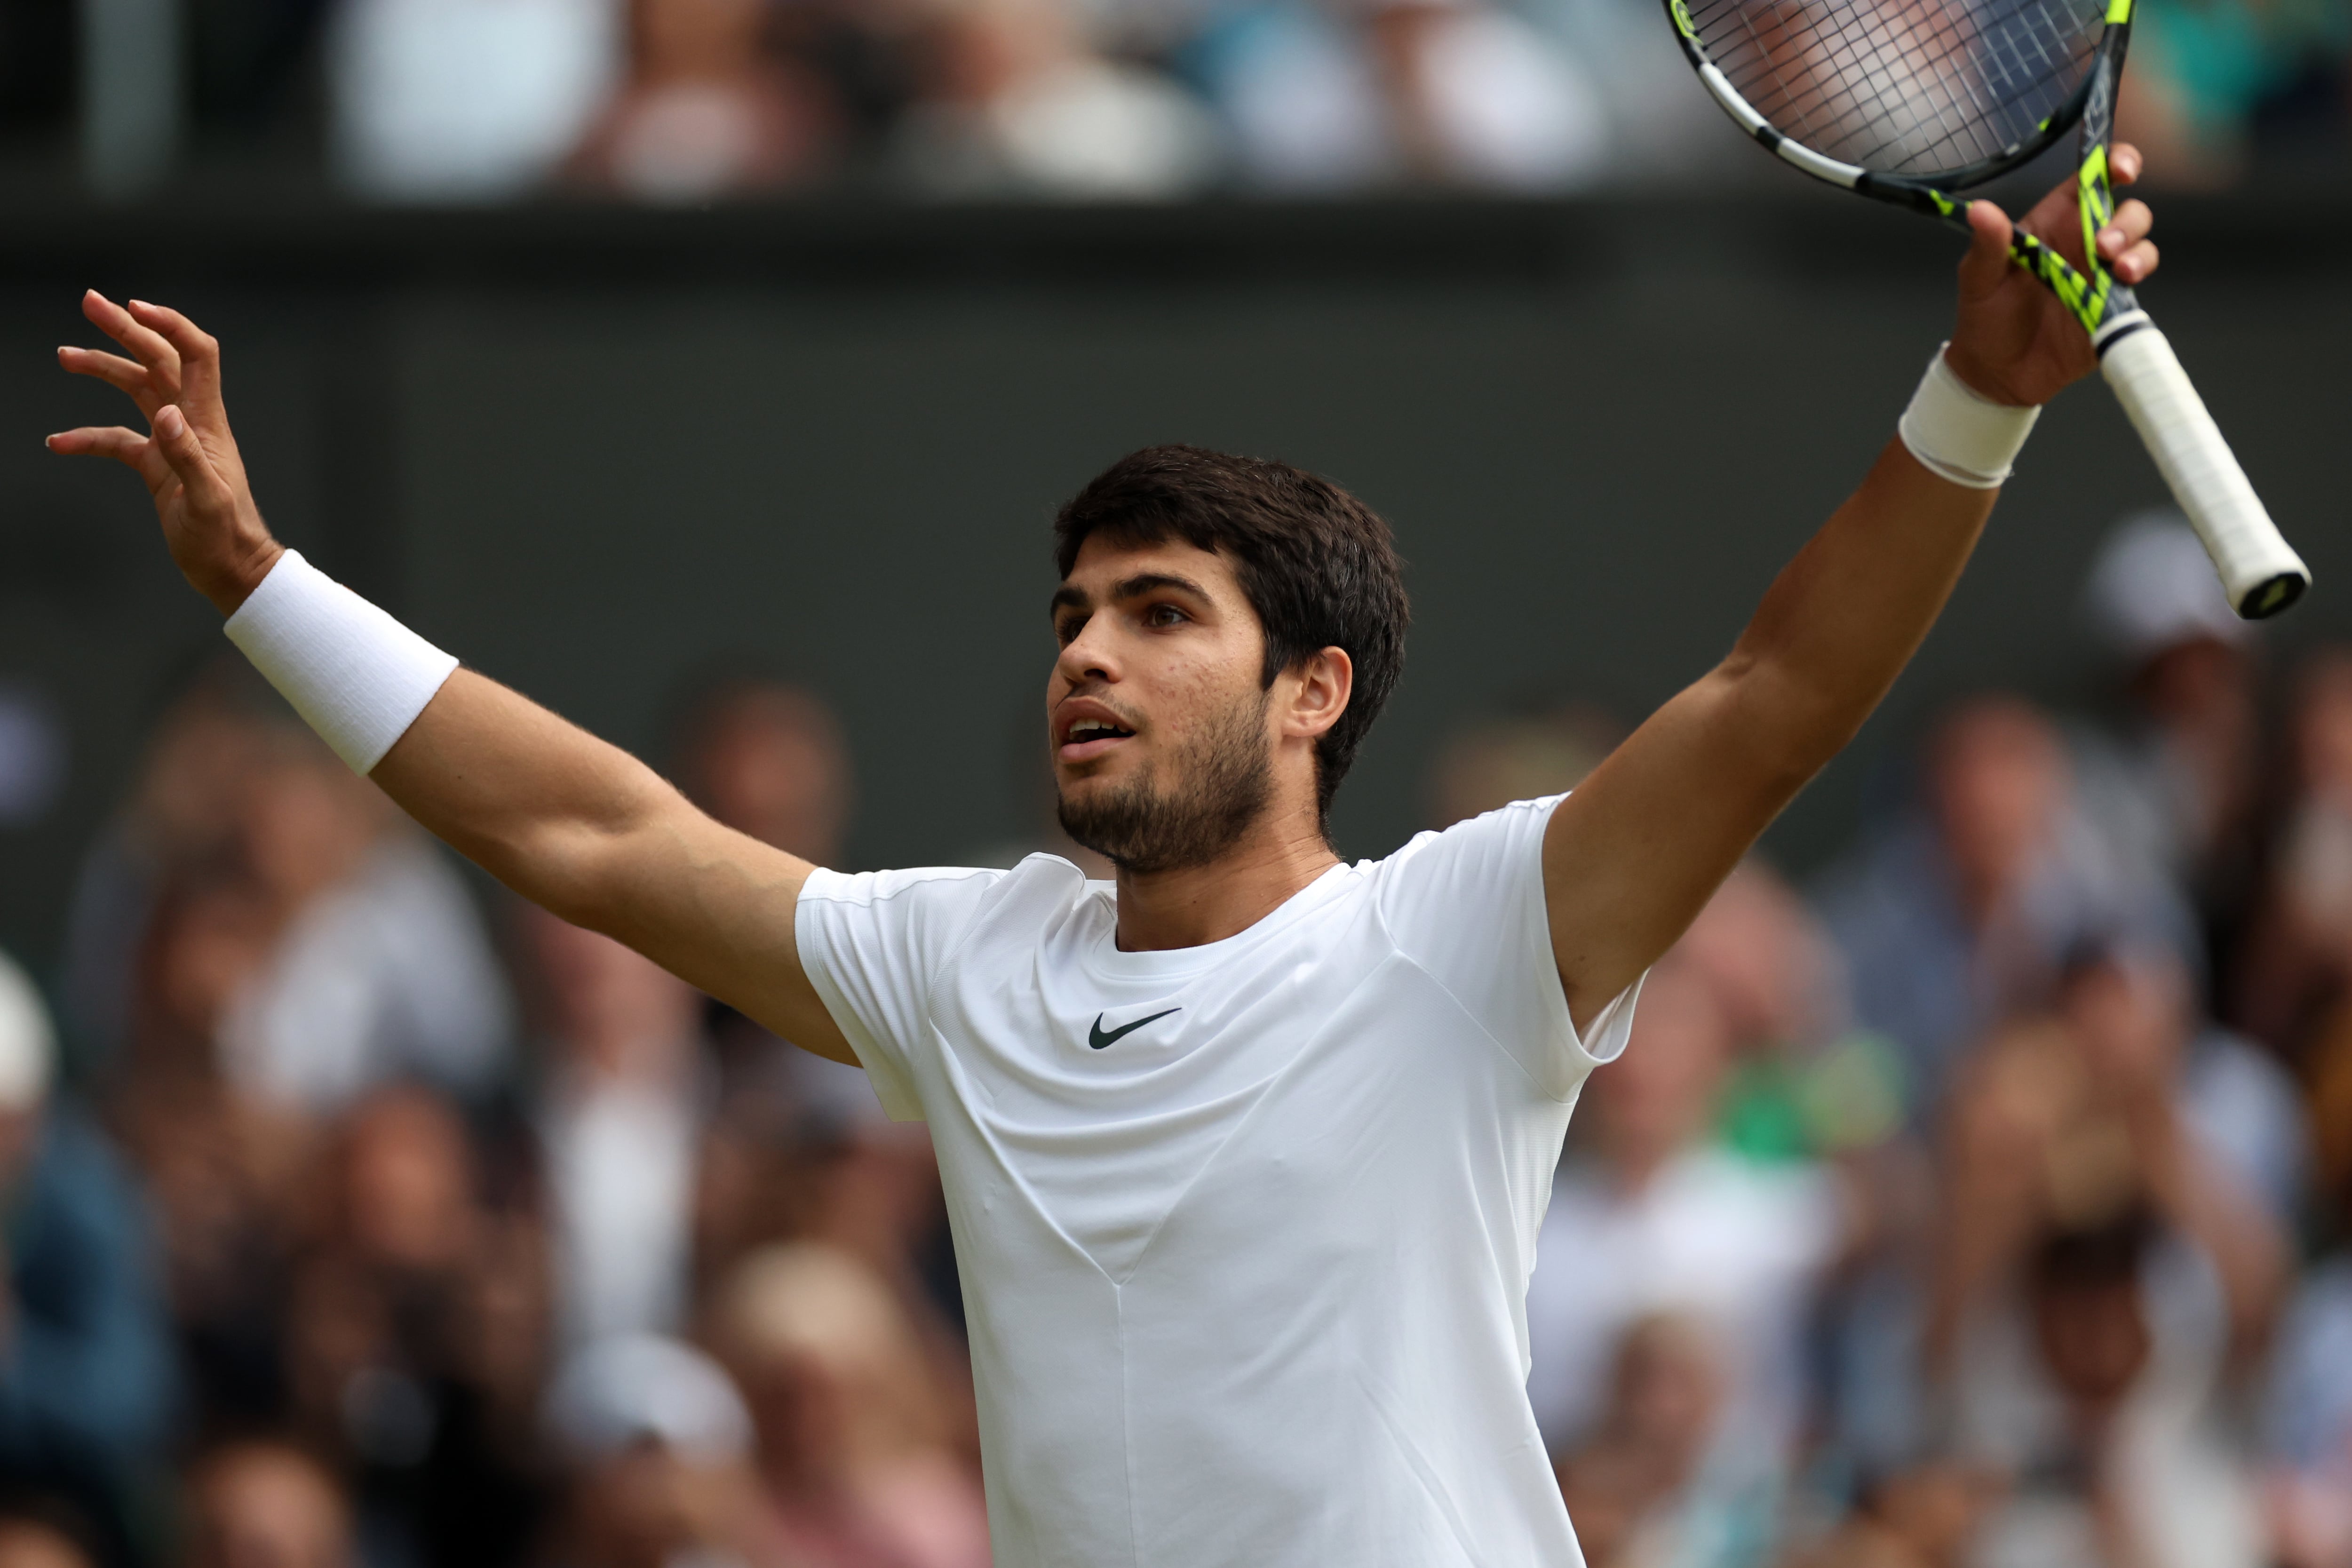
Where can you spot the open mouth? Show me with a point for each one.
(1089, 737)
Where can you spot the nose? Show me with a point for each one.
(1088, 659)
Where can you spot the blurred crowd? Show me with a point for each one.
(1985, 1203)
(696, 101)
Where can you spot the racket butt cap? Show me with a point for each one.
(2272, 595)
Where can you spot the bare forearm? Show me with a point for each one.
(1844, 617)
(537, 802)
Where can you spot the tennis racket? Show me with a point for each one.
(1909, 101)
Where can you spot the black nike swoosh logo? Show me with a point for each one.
(1098, 1039)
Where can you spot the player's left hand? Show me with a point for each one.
(2014, 343)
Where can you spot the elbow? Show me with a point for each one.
(1790, 725)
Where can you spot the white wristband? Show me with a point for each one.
(1955, 432)
(356, 676)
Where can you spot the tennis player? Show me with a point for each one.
(1245, 1152)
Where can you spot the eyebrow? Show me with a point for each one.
(1071, 598)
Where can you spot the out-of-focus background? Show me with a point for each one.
(1978, 1187)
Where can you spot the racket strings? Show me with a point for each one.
(1907, 87)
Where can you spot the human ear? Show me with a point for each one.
(1320, 687)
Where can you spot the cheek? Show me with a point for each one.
(1199, 699)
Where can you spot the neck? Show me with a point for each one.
(1199, 904)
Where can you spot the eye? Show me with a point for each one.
(1164, 614)
(1067, 628)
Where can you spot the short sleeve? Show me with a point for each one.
(873, 945)
(1467, 905)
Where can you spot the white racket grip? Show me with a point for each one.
(2260, 571)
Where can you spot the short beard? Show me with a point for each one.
(1223, 782)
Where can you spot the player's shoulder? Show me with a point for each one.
(1507, 829)
(904, 882)
(1034, 885)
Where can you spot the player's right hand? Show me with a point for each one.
(2014, 342)
(189, 460)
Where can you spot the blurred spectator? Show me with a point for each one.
(381, 967)
(709, 109)
(416, 1329)
(464, 101)
(1921, 1516)
(768, 759)
(2298, 954)
(1423, 91)
(2309, 1416)
(1958, 914)
(2233, 1096)
(799, 1145)
(1487, 766)
(223, 1173)
(26, 1543)
(2204, 75)
(86, 1374)
(1803, 1083)
(1634, 1490)
(619, 1113)
(182, 811)
(259, 1503)
(1650, 1215)
(276, 916)
(33, 763)
(2177, 792)
(854, 1436)
(656, 1440)
(1013, 99)
(2105, 1282)
(1658, 131)
(1477, 97)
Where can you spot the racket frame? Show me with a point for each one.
(2098, 301)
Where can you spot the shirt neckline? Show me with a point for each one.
(1106, 959)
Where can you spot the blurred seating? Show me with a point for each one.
(1957, 913)
(618, 1108)
(444, 101)
(86, 1384)
(858, 1458)
(708, 110)
(1993, 1211)
(259, 1502)
(654, 1445)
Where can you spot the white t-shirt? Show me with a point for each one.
(1244, 1229)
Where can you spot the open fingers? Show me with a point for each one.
(125, 447)
(120, 374)
(149, 347)
(199, 351)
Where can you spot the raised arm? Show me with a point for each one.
(561, 817)
(1631, 856)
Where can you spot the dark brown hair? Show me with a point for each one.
(1318, 565)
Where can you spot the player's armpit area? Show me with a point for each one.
(588, 832)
